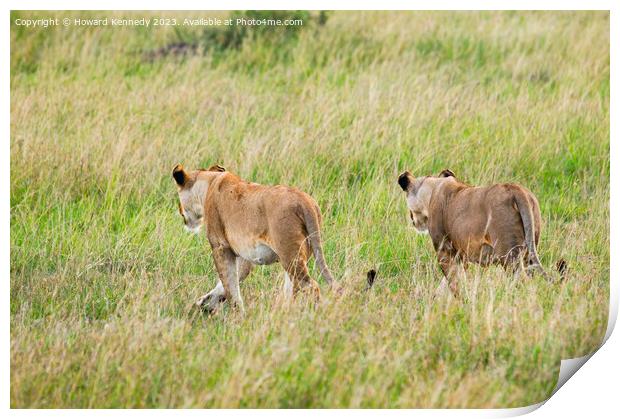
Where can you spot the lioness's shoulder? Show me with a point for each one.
(225, 180)
(215, 168)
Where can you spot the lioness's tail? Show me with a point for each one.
(562, 268)
(527, 217)
(311, 219)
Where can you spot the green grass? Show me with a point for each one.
(103, 276)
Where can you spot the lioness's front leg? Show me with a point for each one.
(449, 267)
(212, 300)
(226, 265)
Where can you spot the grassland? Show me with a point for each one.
(103, 276)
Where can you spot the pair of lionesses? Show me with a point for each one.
(249, 224)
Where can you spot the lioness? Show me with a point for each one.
(249, 224)
(497, 224)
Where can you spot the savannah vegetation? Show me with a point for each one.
(103, 276)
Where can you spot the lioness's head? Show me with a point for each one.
(192, 190)
(419, 191)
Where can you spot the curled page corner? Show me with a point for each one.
(568, 367)
(519, 411)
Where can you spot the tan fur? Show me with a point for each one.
(249, 224)
(497, 224)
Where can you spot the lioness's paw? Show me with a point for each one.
(201, 301)
(210, 303)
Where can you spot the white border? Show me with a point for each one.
(312, 5)
(597, 383)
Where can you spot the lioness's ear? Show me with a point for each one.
(179, 175)
(405, 180)
(447, 173)
(216, 168)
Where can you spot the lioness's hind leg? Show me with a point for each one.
(293, 251)
(287, 288)
(301, 279)
(516, 268)
(514, 261)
